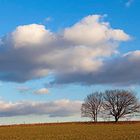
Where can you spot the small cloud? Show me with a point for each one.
(23, 89)
(47, 19)
(128, 3)
(1, 42)
(1, 83)
(42, 91)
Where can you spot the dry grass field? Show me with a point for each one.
(72, 131)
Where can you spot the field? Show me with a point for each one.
(72, 131)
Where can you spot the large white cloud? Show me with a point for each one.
(80, 53)
(31, 35)
(92, 31)
(59, 108)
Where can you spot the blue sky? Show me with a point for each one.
(59, 18)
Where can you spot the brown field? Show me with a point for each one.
(72, 131)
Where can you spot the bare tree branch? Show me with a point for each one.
(92, 105)
(120, 103)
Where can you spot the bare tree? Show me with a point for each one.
(92, 105)
(120, 103)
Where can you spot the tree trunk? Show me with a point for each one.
(116, 119)
(96, 118)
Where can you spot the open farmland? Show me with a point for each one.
(72, 131)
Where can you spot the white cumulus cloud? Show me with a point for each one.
(92, 31)
(81, 53)
(33, 35)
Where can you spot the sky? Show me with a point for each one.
(54, 53)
